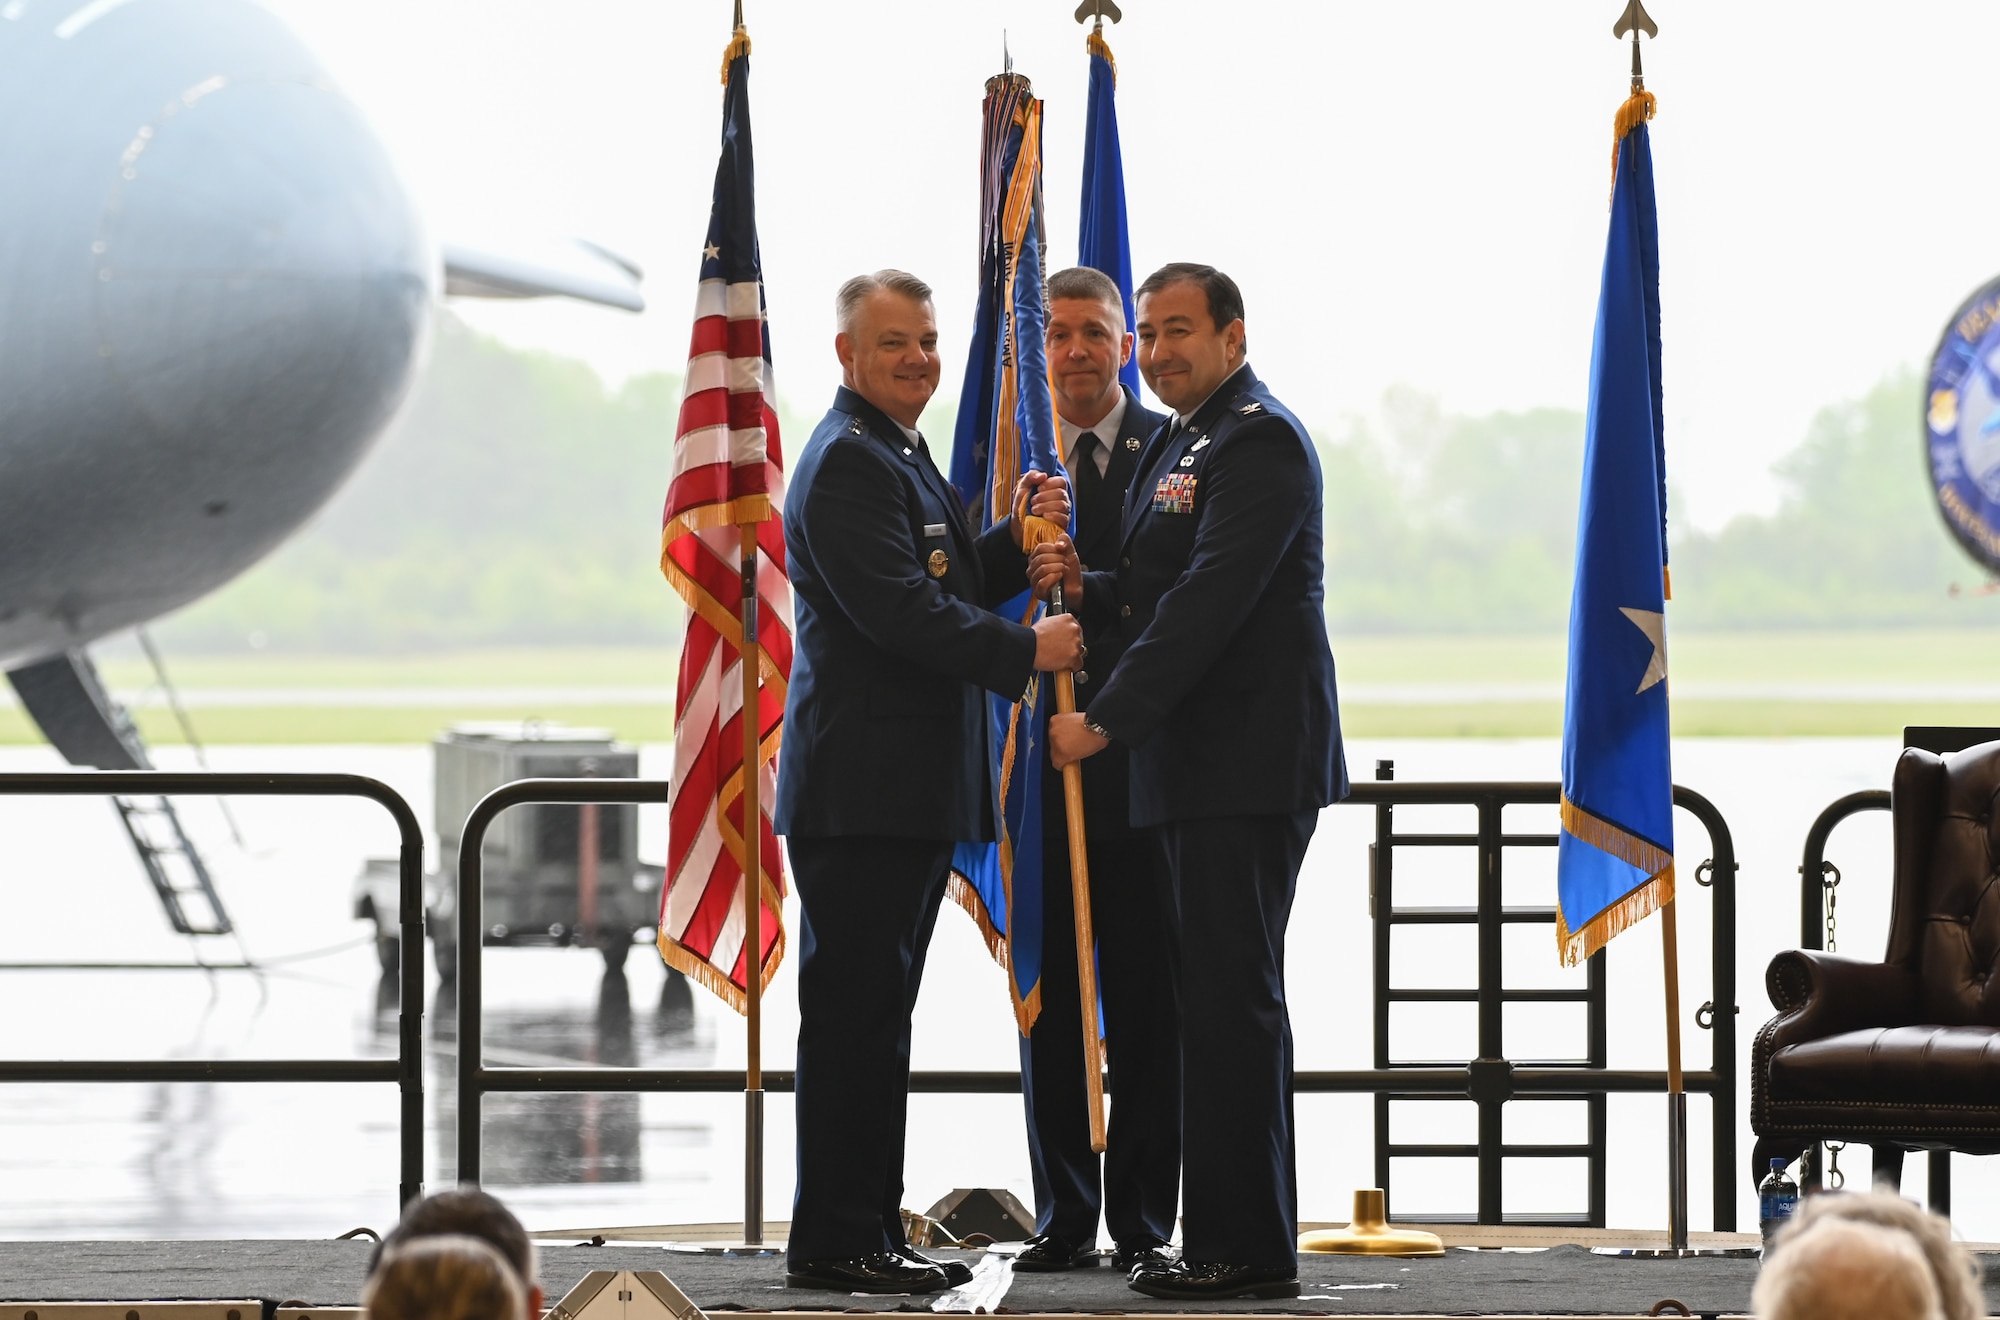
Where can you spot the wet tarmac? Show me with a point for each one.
(240, 1161)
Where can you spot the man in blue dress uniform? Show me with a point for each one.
(1103, 427)
(885, 764)
(1225, 696)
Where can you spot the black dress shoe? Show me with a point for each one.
(1045, 1253)
(956, 1272)
(883, 1272)
(1151, 1257)
(1203, 1281)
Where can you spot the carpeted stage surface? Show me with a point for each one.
(1562, 1280)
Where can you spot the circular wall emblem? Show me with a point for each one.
(1962, 425)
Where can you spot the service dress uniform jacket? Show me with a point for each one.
(884, 768)
(1225, 696)
(1139, 1190)
(885, 730)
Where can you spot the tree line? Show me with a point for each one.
(516, 502)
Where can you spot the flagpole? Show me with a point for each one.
(1086, 935)
(753, 908)
(1677, 1108)
(1632, 22)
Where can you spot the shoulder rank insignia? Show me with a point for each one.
(1250, 409)
(1132, 442)
(855, 426)
(938, 564)
(1199, 444)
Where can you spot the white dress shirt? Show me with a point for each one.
(1104, 428)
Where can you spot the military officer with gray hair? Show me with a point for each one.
(886, 763)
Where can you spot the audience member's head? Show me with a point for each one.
(1873, 1255)
(472, 1213)
(445, 1277)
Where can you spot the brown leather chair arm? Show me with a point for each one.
(1822, 994)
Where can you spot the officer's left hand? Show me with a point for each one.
(1043, 496)
(1069, 741)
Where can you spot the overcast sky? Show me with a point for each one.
(1409, 193)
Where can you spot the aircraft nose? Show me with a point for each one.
(261, 275)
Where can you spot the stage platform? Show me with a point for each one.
(1565, 1280)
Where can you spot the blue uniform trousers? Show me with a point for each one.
(1231, 881)
(1141, 1178)
(867, 908)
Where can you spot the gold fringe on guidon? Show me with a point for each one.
(738, 45)
(1648, 897)
(1097, 45)
(1026, 1009)
(1638, 108)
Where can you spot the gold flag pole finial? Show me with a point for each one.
(1099, 10)
(1635, 20)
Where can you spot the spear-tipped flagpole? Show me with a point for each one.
(1634, 21)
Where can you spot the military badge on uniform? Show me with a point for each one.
(1187, 460)
(1251, 409)
(1132, 443)
(1175, 493)
(854, 426)
(938, 564)
(1199, 444)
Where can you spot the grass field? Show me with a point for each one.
(1384, 681)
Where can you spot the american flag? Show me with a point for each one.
(727, 470)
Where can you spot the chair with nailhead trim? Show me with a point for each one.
(1901, 1054)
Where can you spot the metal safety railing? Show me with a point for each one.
(405, 1070)
(1490, 1080)
(1819, 879)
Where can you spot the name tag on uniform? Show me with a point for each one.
(1175, 493)
(934, 529)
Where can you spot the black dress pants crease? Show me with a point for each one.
(867, 908)
(1141, 1166)
(1231, 882)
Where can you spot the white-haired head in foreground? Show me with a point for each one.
(1875, 1256)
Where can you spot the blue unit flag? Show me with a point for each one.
(1616, 854)
(1007, 425)
(1102, 241)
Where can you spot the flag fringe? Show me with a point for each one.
(1627, 912)
(738, 47)
(1626, 846)
(1638, 108)
(1097, 45)
(719, 616)
(1648, 897)
(705, 973)
(962, 892)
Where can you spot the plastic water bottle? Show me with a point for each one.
(1777, 1199)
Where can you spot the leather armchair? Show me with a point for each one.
(1902, 1054)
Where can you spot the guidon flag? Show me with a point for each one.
(1615, 862)
(728, 470)
(1006, 425)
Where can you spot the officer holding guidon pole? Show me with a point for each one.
(1224, 697)
(1103, 425)
(885, 764)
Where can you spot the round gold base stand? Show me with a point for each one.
(1370, 1235)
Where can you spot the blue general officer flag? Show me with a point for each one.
(1006, 425)
(1616, 855)
(1102, 241)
